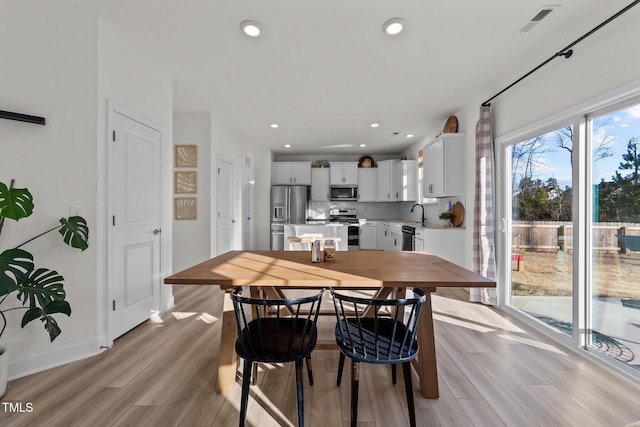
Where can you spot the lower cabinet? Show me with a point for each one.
(395, 237)
(447, 243)
(369, 236)
(419, 240)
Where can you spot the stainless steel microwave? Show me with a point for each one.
(343, 192)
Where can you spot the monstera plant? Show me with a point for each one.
(39, 291)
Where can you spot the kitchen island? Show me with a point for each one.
(322, 230)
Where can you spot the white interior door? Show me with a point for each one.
(135, 223)
(224, 206)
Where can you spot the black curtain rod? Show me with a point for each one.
(25, 117)
(566, 52)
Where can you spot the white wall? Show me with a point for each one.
(49, 69)
(604, 61)
(226, 144)
(191, 237)
(262, 175)
(64, 65)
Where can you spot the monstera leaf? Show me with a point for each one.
(15, 265)
(43, 290)
(41, 287)
(15, 203)
(75, 232)
(50, 324)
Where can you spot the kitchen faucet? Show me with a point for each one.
(418, 204)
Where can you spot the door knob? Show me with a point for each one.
(157, 231)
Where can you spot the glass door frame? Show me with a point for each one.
(504, 219)
(581, 116)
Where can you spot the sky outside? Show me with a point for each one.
(613, 130)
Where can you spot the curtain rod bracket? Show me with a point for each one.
(567, 53)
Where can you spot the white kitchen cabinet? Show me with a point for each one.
(320, 184)
(392, 236)
(385, 181)
(419, 240)
(367, 184)
(405, 181)
(396, 236)
(383, 228)
(369, 236)
(447, 243)
(444, 166)
(292, 173)
(386, 241)
(344, 173)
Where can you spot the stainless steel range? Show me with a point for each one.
(348, 217)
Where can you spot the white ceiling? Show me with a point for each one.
(324, 70)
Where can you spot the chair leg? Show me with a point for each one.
(310, 370)
(254, 374)
(244, 400)
(393, 374)
(406, 368)
(300, 392)
(340, 368)
(355, 382)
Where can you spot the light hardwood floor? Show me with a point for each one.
(493, 371)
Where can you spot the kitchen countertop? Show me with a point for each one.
(416, 224)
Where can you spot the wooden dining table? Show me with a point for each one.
(380, 270)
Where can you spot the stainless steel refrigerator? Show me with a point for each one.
(289, 205)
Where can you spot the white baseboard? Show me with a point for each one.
(43, 360)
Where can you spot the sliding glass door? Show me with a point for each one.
(615, 235)
(571, 210)
(541, 228)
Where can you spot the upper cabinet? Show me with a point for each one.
(292, 173)
(444, 166)
(367, 184)
(343, 173)
(385, 188)
(320, 184)
(405, 181)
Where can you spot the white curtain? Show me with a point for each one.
(484, 261)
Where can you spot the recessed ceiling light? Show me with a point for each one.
(274, 125)
(394, 26)
(409, 135)
(363, 145)
(287, 145)
(250, 28)
(374, 125)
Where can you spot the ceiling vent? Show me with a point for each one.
(537, 17)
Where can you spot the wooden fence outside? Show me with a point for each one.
(558, 235)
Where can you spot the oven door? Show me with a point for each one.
(408, 235)
(353, 237)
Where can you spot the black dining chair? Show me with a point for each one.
(275, 331)
(365, 334)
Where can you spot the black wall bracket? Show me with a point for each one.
(21, 117)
